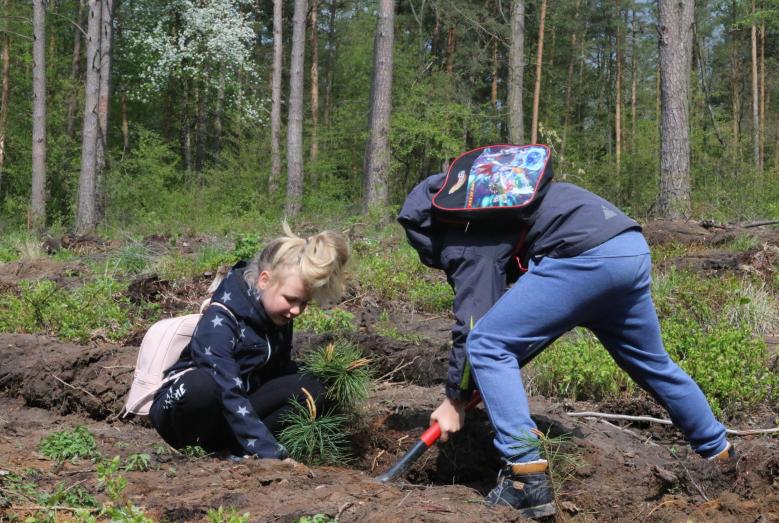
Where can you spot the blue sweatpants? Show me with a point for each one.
(607, 290)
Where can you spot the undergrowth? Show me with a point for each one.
(344, 370)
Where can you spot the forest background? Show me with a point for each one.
(128, 115)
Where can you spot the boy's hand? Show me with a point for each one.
(450, 416)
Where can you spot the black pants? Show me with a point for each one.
(196, 418)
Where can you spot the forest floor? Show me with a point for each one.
(625, 472)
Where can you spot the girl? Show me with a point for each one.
(238, 374)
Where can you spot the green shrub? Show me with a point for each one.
(316, 518)
(342, 367)
(69, 444)
(194, 451)
(97, 308)
(230, 515)
(730, 365)
(578, 367)
(323, 321)
(138, 461)
(314, 439)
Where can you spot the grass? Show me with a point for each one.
(229, 515)
(321, 321)
(342, 367)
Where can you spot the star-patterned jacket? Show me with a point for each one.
(242, 351)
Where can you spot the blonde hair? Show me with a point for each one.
(320, 258)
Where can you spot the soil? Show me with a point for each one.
(625, 472)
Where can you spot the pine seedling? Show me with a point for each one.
(556, 451)
(313, 439)
(342, 367)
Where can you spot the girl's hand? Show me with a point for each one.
(450, 416)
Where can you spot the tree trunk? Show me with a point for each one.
(75, 69)
(125, 124)
(200, 127)
(86, 213)
(295, 118)
(494, 84)
(104, 100)
(539, 65)
(219, 113)
(314, 80)
(377, 154)
(275, 113)
(735, 87)
(569, 85)
(763, 101)
(450, 48)
(755, 98)
(633, 80)
(675, 40)
(328, 109)
(6, 52)
(38, 195)
(618, 94)
(516, 72)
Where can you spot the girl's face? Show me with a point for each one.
(284, 296)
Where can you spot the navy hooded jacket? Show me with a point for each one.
(243, 351)
(481, 260)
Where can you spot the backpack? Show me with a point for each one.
(503, 183)
(161, 347)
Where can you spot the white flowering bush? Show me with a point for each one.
(204, 43)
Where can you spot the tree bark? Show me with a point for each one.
(516, 72)
(618, 93)
(675, 41)
(494, 73)
(86, 213)
(104, 100)
(125, 123)
(569, 85)
(75, 69)
(6, 52)
(328, 109)
(763, 100)
(314, 81)
(295, 118)
(38, 195)
(377, 154)
(633, 80)
(735, 87)
(450, 48)
(275, 113)
(539, 69)
(219, 113)
(755, 96)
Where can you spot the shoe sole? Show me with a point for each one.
(539, 511)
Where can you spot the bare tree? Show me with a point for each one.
(86, 212)
(618, 91)
(275, 112)
(38, 196)
(539, 69)
(675, 41)
(314, 80)
(6, 52)
(75, 69)
(104, 98)
(295, 119)
(516, 72)
(328, 109)
(569, 84)
(755, 96)
(377, 154)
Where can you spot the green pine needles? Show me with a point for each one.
(314, 439)
(345, 372)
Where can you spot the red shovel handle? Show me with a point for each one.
(426, 440)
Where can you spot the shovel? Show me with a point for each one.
(426, 440)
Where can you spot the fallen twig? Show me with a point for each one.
(760, 224)
(689, 476)
(735, 432)
(397, 369)
(343, 508)
(77, 388)
(628, 431)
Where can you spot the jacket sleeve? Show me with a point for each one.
(212, 347)
(478, 282)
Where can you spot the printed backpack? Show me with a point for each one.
(161, 347)
(503, 183)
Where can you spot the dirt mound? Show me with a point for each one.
(40, 268)
(666, 232)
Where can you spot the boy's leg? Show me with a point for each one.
(630, 331)
(554, 296)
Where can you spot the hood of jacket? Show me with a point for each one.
(416, 217)
(244, 302)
